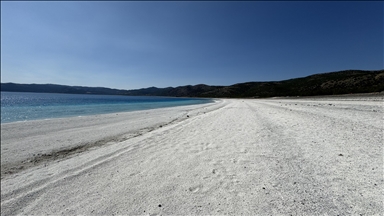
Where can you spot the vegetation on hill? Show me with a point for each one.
(53, 88)
(342, 82)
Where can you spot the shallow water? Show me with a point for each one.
(23, 106)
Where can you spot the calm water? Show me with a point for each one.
(22, 106)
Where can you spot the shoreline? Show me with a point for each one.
(26, 144)
(236, 156)
(91, 111)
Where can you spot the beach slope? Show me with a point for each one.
(311, 156)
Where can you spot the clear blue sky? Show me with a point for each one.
(130, 45)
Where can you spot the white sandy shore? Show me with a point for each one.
(254, 157)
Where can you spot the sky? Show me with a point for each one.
(133, 44)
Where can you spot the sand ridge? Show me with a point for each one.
(254, 157)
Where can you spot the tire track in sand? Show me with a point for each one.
(248, 157)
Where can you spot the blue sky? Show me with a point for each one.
(130, 44)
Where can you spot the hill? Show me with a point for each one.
(341, 82)
(53, 88)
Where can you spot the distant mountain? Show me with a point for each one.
(53, 88)
(341, 82)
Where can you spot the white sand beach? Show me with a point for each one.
(281, 156)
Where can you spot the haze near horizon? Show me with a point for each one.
(131, 45)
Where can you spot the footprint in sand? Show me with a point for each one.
(195, 188)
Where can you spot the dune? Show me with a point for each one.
(281, 156)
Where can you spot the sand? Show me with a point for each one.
(282, 156)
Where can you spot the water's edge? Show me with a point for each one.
(26, 106)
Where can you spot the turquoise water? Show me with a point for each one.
(23, 106)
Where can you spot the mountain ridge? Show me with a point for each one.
(329, 83)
